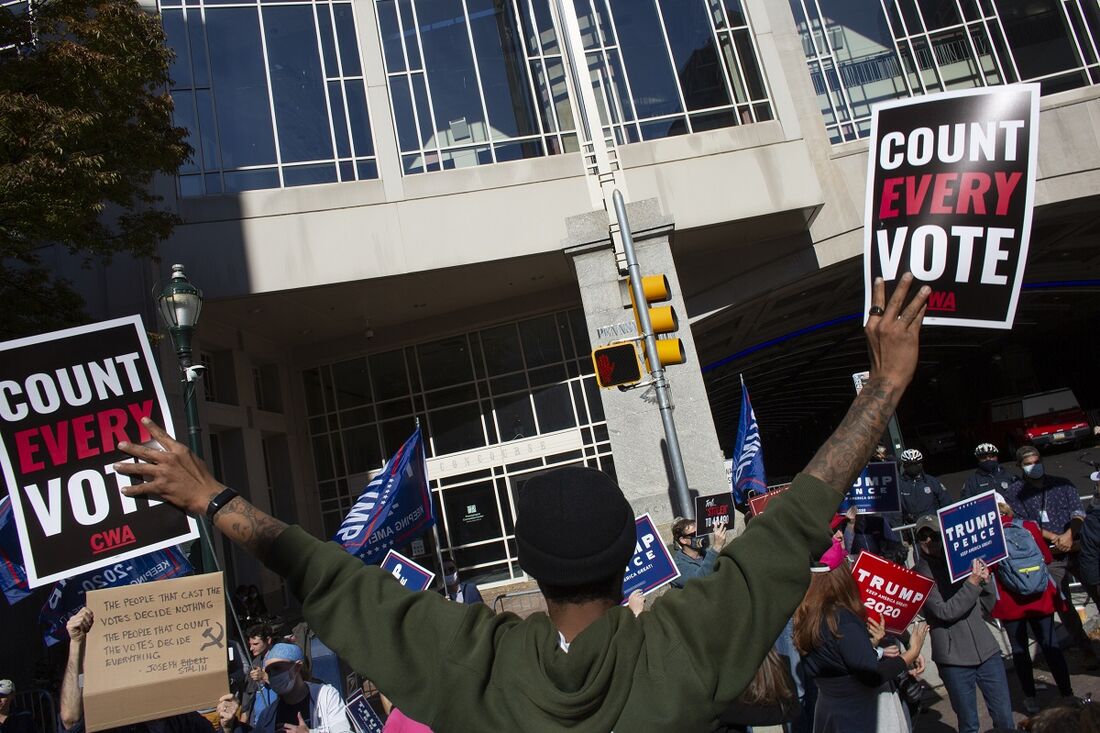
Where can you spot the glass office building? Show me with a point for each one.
(863, 52)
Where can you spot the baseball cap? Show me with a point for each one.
(283, 652)
(928, 521)
(7, 687)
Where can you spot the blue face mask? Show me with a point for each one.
(281, 682)
(1035, 470)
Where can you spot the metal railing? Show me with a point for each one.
(40, 704)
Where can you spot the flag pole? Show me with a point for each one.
(435, 524)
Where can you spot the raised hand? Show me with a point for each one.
(79, 624)
(893, 333)
(173, 474)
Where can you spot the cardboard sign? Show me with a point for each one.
(711, 510)
(155, 649)
(950, 189)
(409, 574)
(891, 590)
(652, 565)
(362, 714)
(971, 530)
(758, 503)
(66, 399)
(875, 490)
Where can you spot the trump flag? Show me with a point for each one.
(394, 509)
(748, 453)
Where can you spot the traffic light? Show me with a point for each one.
(617, 365)
(663, 319)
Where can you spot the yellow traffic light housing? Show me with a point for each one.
(617, 365)
(662, 318)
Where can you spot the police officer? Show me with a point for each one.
(920, 493)
(990, 474)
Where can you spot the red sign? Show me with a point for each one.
(891, 590)
(758, 502)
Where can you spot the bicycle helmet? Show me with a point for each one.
(911, 455)
(986, 449)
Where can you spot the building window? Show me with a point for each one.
(474, 82)
(667, 67)
(862, 53)
(272, 94)
(487, 388)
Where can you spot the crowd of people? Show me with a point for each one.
(764, 629)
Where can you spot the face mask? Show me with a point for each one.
(914, 469)
(452, 578)
(988, 466)
(281, 682)
(700, 543)
(1035, 470)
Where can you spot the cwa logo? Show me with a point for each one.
(942, 301)
(112, 539)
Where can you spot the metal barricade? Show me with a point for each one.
(40, 704)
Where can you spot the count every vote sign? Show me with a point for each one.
(67, 399)
(950, 192)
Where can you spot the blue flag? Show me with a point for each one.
(13, 577)
(394, 509)
(67, 596)
(748, 454)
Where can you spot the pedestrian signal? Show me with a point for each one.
(617, 365)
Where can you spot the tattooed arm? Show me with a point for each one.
(180, 478)
(893, 339)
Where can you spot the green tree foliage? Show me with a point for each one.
(85, 123)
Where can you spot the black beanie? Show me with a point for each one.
(573, 527)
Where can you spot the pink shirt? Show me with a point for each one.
(398, 723)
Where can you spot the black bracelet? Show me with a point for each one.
(220, 501)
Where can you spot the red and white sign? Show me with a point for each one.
(760, 501)
(891, 590)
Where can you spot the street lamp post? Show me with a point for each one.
(180, 304)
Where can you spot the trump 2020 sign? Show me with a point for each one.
(971, 530)
(67, 399)
(950, 190)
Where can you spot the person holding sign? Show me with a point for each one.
(963, 647)
(1023, 569)
(589, 664)
(695, 556)
(71, 711)
(838, 644)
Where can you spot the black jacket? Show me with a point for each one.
(920, 495)
(1088, 561)
(981, 482)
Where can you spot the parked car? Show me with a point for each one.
(1043, 419)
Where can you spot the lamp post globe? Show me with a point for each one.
(180, 304)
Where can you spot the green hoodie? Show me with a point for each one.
(462, 668)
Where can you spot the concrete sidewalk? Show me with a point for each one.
(938, 716)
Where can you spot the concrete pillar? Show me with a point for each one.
(633, 418)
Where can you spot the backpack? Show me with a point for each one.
(1024, 571)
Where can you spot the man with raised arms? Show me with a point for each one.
(589, 665)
